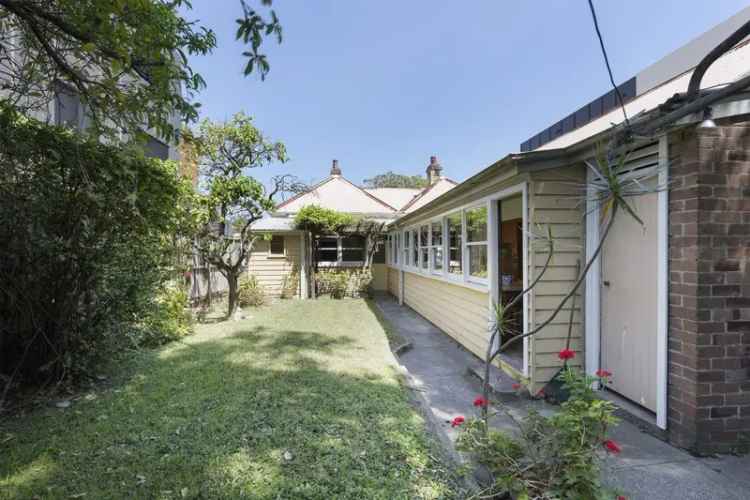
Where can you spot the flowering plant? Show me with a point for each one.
(553, 457)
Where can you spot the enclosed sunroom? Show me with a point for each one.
(453, 259)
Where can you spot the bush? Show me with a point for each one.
(251, 292)
(168, 319)
(89, 246)
(554, 457)
(343, 283)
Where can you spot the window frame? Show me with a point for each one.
(340, 262)
(271, 253)
(466, 255)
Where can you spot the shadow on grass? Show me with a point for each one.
(256, 414)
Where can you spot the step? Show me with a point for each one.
(501, 384)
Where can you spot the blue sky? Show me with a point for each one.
(382, 85)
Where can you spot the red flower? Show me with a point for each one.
(566, 354)
(622, 497)
(611, 446)
(541, 393)
(480, 401)
(516, 386)
(457, 421)
(603, 373)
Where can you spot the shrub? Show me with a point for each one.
(168, 319)
(251, 292)
(553, 457)
(89, 246)
(343, 283)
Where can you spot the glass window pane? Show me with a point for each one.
(354, 241)
(437, 259)
(437, 233)
(454, 244)
(414, 249)
(277, 245)
(352, 255)
(478, 261)
(476, 224)
(328, 243)
(424, 236)
(327, 255)
(424, 262)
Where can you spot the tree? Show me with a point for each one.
(394, 180)
(85, 249)
(226, 151)
(127, 59)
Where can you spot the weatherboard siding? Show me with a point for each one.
(555, 203)
(274, 272)
(459, 311)
(393, 281)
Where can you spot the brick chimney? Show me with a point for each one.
(433, 170)
(335, 170)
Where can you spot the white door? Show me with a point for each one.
(629, 303)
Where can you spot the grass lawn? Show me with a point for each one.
(301, 400)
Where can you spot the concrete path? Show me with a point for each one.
(647, 468)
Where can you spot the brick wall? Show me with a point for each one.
(709, 313)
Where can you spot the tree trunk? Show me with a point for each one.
(232, 281)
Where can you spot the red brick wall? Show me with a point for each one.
(709, 296)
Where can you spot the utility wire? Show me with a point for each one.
(606, 61)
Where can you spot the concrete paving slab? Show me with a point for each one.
(647, 468)
(690, 480)
(639, 448)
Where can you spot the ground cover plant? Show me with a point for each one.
(300, 400)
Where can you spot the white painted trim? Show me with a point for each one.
(662, 284)
(593, 286)
(525, 275)
(302, 266)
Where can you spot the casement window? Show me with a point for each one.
(337, 250)
(328, 250)
(68, 108)
(396, 247)
(455, 244)
(414, 259)
(424, 247)
(436, 246)
(406, 254)
(476, 241)
(276, 246)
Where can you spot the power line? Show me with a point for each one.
(606, 62)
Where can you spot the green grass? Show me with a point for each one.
(213, 416)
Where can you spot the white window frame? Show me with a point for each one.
(457, 277)
(340, 262)
(272, 255)
(467, 244)
(424, 260)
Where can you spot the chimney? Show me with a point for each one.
(335, 170)
(433, 171)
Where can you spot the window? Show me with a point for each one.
(277, 245)
(396, 247)
(67, 106)
(353, 248)
(424, 247)
(406, 248)
(156, 149)
(476, 241)
(455, 264)
(328, 249)
(414, 249)
(342, 249)
(436, 246)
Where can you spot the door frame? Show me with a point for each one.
(493, 253)
(593, 285)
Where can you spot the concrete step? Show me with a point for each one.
(501, 384)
